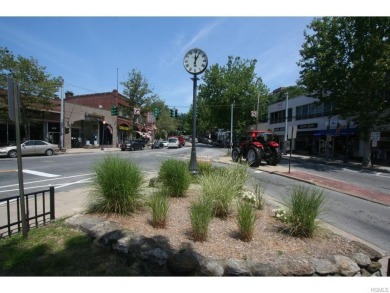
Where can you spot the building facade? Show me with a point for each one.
(316, 125)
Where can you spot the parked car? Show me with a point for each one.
(30, 147)
(157, 145)
(165, 143)
(132, 146)
(173, 142)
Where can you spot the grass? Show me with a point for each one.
(57, 250)
(201, 214)
(221, 188)
(175, 177)
(304, 206)
(116, 185)
(159, 203)
(246, 219)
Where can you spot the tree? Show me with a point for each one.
(346, 62)
(236, 83)
(137, 89)
(37, 87)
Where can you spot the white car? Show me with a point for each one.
(30, 147)
(165, 143)
(173, 142)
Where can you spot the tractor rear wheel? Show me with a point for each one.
(253, 157)
(276, 157)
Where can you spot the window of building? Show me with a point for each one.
(280, 116)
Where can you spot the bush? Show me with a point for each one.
(303, 208)
(116, 185)
(175, 177)
(159, 202)
(222, 187)
(246, 218)
(201, 214)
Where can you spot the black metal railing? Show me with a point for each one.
(39, 207)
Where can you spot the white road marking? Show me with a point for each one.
(39, 173)
(257, 171)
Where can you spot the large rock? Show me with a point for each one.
(297, 268)
(183, 263)
(235, 267)
(361, 259)
(265, 270)
(345, 265)
(323, 267)
(209, 267)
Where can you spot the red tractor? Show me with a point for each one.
(258, 145)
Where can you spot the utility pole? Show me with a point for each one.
(231, 129)
(257, 111)
(62, 117)
(285, 128)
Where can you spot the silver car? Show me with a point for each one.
(30, 147)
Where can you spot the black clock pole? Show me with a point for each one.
(193, 163)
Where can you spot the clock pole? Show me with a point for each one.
(193, 163)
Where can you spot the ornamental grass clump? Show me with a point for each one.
(201, 214)
(246, 219)
(116, 185)
(222, 187)
(159, 203)
(303, 209)
(175, 177)
(259, 188)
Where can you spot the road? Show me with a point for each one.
(364, 219)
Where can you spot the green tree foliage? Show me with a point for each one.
(237, 83)
(346, 61)
(138, 90)
(37, 87)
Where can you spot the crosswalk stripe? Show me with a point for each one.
(39, 173)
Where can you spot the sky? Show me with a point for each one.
(94, 52)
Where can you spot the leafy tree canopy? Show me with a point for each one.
(37, 87)
(138, 90)
(235, 83)
(346, 61)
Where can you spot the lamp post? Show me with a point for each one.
(195, 62)
(104, 126)
(193, 163)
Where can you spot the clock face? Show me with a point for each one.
(195, 61)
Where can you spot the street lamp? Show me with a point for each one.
(104, 126)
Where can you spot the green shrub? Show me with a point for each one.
(303, 208)
(201, 214)
(246, 218)
(222, 187)
(175, 177)
(159, 202)
(116, 185)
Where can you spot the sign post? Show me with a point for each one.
(292, 134)
(13, 96)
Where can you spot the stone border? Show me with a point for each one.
(153, 257)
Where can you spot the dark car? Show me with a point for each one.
(157, 145)
(132, 145)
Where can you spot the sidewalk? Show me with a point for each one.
(340, 186)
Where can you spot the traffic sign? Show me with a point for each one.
(375, 136)
(137, 111)
(253, 113)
